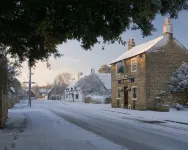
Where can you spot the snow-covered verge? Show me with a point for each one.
(96, 99)
(36, 128)
(106, 109)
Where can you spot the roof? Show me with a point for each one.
(43, 90)
(50, 89)
(72, 84)
(31, 91)
(12, 89)
(105, 78)
(148, 46)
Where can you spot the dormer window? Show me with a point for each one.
(120, 67)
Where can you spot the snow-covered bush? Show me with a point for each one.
(96, 99)
(178, 106)
(179, 79)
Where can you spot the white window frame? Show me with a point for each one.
(132, 92)
(134, 59)
(119, 88)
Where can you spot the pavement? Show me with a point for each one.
(54, 125)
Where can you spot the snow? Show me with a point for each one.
(148, 46)
(37, 128)
(105, 78)
(72, 84)
(97, 98)
(12, 89)
(173, 115)
(31, 90)
(43, 90)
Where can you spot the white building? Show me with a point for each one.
(73, 93)
(77, 94)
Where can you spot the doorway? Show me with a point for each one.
(125, 96)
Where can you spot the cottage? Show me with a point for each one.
(142, 71)
(33, 94)
(43, 92)
(94, 83)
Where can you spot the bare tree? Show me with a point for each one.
(105, 69)
(61, 82)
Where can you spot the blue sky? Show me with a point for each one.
(76, 60)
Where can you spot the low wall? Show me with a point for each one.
(3, 109)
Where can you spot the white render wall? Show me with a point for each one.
(70, 98)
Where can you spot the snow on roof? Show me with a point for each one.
(148, 46)
(72, 84)
(31, 91)
(43, 90)
(12, 89)
(105, 78)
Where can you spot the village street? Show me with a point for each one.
(55, 125)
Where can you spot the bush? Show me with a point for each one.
(88, 100)
(178, 106)
(108, 100)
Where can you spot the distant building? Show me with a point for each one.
(43, 92)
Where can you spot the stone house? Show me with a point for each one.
(143, 71)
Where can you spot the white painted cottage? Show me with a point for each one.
(75, 92)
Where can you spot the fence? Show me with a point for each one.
(3, 92)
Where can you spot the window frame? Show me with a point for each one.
(119, 94)
(117, 69)
(134, 59)
(134, 87)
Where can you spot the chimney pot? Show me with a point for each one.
(131, 44)
(167, 28)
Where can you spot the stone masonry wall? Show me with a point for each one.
(160, 66)
(139, 81)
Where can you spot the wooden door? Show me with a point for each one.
(125, 96)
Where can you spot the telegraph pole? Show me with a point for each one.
(29, 102)
(30, 86)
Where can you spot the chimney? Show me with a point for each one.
(79, 75)
(131, 44)
(168, 28)
(93, 70)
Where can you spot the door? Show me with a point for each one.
(125, 96)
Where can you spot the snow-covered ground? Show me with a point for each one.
(36, 128)
(173, 115)
(43, 127)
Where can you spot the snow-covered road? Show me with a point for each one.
(43, 127)
(37, 128)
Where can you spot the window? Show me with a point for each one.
(77, 96)
(118, 93)
(67, 95)
(120, 67)
(133, 65)
(134, 93)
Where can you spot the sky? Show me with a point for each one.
(76, 59)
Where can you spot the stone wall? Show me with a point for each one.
(160, 66)
(139, 81)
